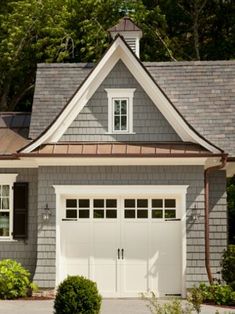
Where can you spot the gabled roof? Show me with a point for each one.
(119, 51)
(203, 92)
(14, 128)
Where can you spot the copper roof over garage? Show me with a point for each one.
(14, 129)
(121, 150)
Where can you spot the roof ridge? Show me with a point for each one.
(190, 63)
(66, 65)
(90, 65)
(15, 113)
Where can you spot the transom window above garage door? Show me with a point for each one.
(155, 208)
(91, 208)
(130, 208)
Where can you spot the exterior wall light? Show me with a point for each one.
(196, 214)
(46, 213)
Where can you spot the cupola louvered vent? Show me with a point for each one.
(132, 43)
(130, 32)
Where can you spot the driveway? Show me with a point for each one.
(109, 306)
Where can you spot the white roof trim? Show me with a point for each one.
(118, 51)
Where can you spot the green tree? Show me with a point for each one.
(35, 31)
(31, 31)
(200, 29)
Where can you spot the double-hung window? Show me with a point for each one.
(120, 114)
(120, 110)
(6, 205)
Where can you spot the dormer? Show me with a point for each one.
(130, 32)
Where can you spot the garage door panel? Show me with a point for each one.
(135, 279)
(106, 287)
(128, 253)
(165, 257)
(75, 269)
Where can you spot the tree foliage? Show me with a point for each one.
(34, 31)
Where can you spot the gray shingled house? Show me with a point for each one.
(119, 173)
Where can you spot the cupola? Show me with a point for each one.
(130, 32)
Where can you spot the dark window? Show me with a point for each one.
(71, 203)
(71, 213)
(157, 203)
(142, 213)
(84, 213)
(170, 213)
(98, 213)
(84, 203)
(170, 203)
(99, 203)
(142, 203)
(157, 213)
(129, 203)
(111, 203)
(129, 213)
(111, 213)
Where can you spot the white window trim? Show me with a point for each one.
(120, 93)
(9, 179)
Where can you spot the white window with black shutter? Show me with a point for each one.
(6, 205)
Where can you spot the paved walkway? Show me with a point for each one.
(109, 306)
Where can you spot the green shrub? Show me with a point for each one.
(174, 306)
(228, 266)
(195, 297)
(218, 294)
(77, 295)
(14, 280)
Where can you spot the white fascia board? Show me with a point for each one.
(120, 190)
(28, 163)
(114, 161)
(119, 51)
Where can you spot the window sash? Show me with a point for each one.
(5, 211)
(120, 115)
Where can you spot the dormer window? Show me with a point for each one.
(120, 110)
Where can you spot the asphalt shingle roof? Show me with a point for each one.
(203, 92)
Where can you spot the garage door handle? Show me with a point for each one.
(122, 253)
(118, 253)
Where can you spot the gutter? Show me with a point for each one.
(207, 227)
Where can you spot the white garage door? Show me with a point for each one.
(128, 245)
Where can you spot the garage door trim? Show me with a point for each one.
(121, 190)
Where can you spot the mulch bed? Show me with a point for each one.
(36, 298)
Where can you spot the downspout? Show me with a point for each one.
(207, 227)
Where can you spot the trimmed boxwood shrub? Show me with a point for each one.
(77, 295)
(14, 280)
(228, 266)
